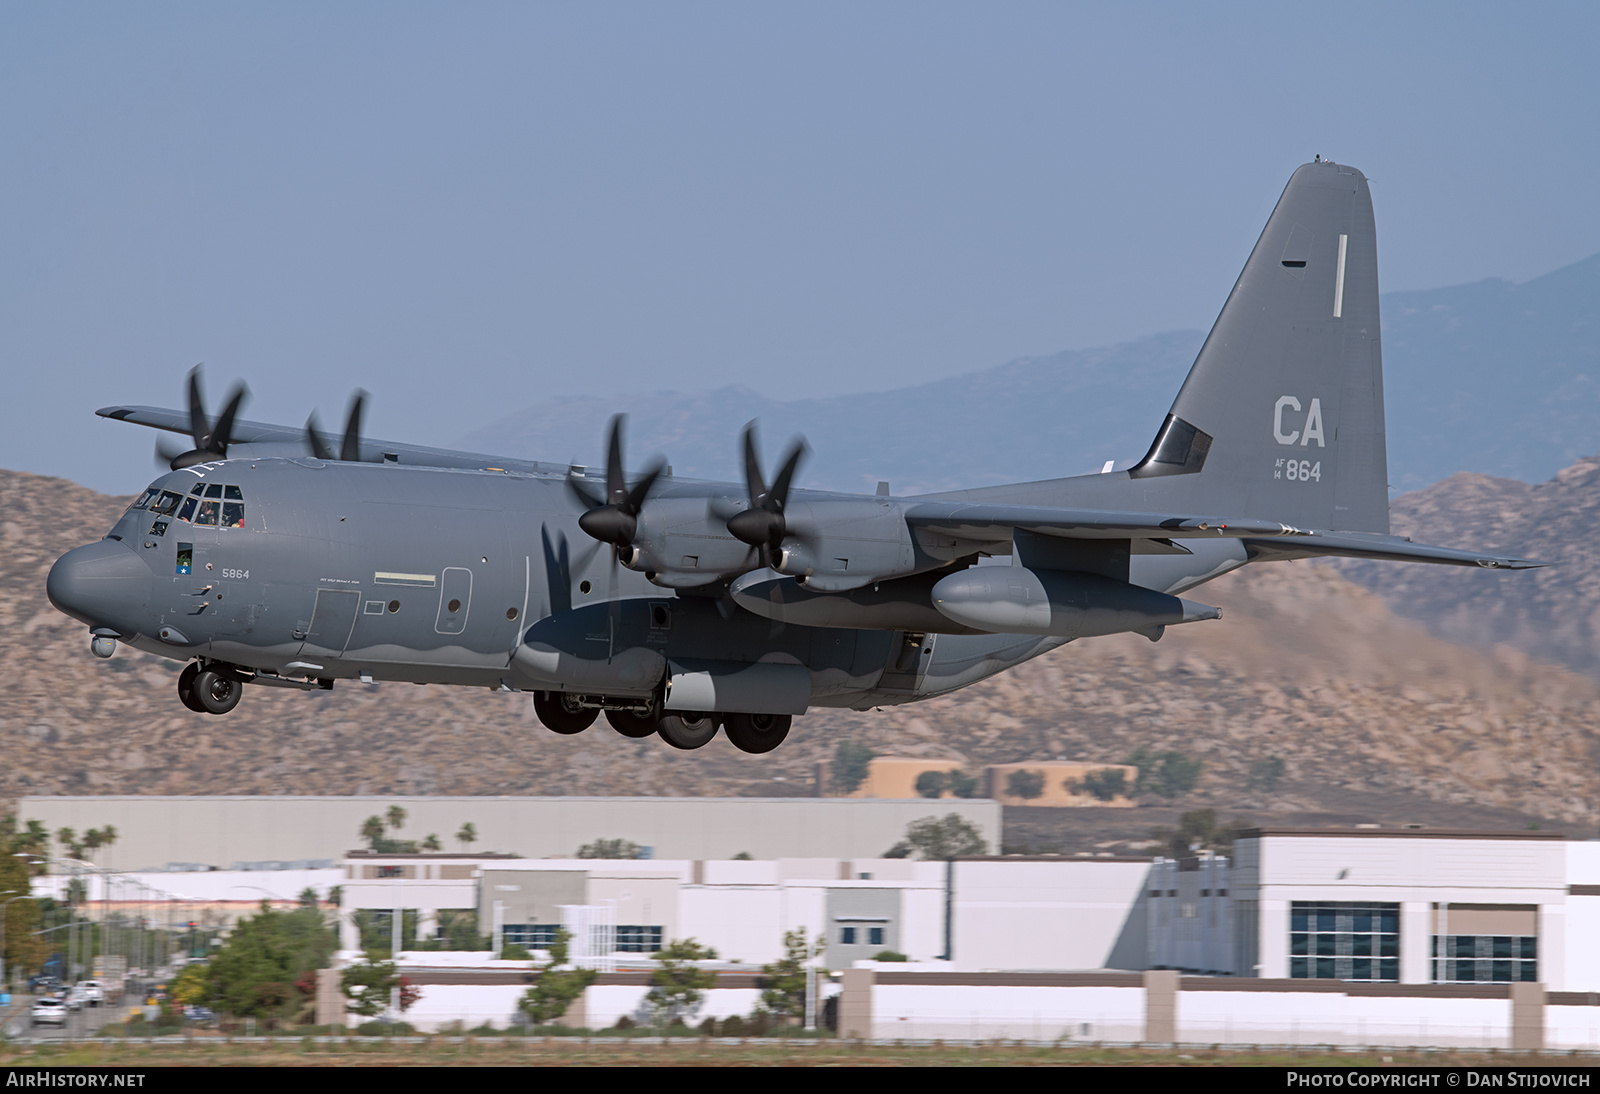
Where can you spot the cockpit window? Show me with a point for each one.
(214, 504)
(166, 503)
(233, 508)
(146, 498)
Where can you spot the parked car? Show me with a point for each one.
(93, 994)
(48, 1012)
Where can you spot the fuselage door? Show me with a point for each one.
(332, 620)
(455, 600)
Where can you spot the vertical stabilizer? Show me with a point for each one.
(1282, 414)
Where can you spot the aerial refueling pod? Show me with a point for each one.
(1062, 603)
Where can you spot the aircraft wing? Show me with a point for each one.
(276, 439)
(985, 522)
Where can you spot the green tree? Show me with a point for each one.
(254, 971)
(468, 835)
(1103, 784)
(947, 837)
(190, 987)
(610, 849)
(372, 830)
(932, 784)
(395, 817)
(369, 984)
(432, 843)
(23, 949)
(851, 763)
(1025, 784)
(784, 993)
(556, 987)
(963, 784)
(1168, 774)
(678, 985)
(1198, 830)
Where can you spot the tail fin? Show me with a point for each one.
(1281, 416)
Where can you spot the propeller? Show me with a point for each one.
(614, 518)
(350, 444)
(210, 440)
(763, 525)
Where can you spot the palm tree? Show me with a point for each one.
(431, 843)
(468, 834)
(397, 817)
(372, 830)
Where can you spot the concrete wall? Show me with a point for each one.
(221, 831)
(1051, 913)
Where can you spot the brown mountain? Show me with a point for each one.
(1552, 614)
(1373, 718)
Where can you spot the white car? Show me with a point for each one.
(49, 1012)
(93, 993)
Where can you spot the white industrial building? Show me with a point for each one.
(1334, 935)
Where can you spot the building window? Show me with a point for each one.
(1494, 959)
(634, 939)
(847, 936)
(1339, 940)
(875, 936)
(535, 936)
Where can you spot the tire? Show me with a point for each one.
(756, 733)
(217, 691)
(631, 725)
(561, 713)
(186, 693)
(687, 730)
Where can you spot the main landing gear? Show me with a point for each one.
(680, 729)
(209, 688)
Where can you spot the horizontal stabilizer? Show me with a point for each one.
(1385, 548)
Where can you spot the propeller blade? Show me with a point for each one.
(319, 447)
(614, 519)
(616, 484)
(763, 525)
(222, 435)
(780, 489)
(581, 489)
(199, 424)
(350, 449)
(754, 483)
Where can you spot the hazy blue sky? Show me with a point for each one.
(466, 208)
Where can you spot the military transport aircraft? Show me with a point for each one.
(678, 607)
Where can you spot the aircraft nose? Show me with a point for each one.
(101, 584)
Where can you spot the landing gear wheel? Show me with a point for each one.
(687, 730)
(637, 726)
(561, 713)
(217, 691)
(186, 693)
(756, 733)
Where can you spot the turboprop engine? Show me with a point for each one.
(1062, 603)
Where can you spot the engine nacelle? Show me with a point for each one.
(1065, 604)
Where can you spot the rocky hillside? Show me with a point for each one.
(1369, 713)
